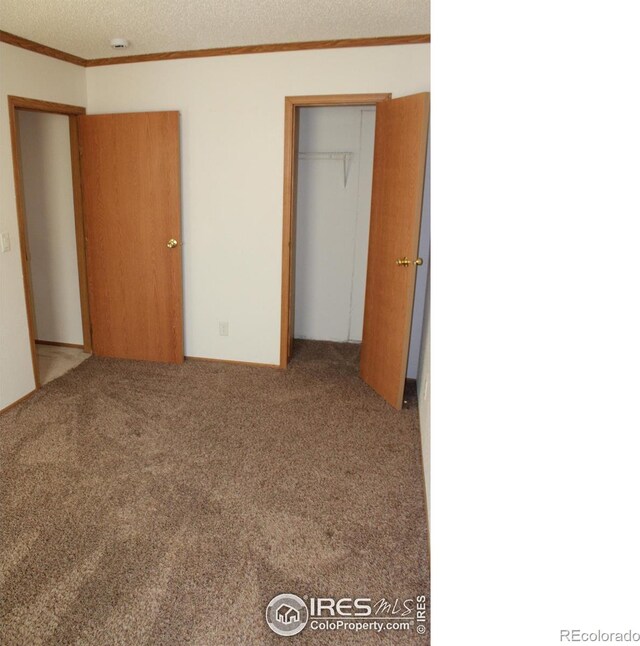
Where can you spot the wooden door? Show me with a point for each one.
(131, 200)
(396, 208)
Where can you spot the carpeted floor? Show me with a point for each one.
(154, 504)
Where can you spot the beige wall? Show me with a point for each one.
(48, 194)
(232, 121)
(22, 73)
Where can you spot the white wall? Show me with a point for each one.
(424, 361)
(365, 185)
(332, 222)
(232, 172)
(232, 125)
(424, 245)
(22, 73)
(48, 192)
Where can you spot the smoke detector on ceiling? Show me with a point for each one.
(119, 43)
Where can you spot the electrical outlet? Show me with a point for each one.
(6, 242)
(223, 328)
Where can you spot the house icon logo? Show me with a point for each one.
(287, 614)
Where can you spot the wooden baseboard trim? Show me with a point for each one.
(25, 43)
(250, 364)
(6, 409)
(60, 344)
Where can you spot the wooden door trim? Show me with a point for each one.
(72, 111)
(76, 178)
(288, 219)
(36, 105)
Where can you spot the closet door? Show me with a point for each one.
(131, 201)
(396, 209)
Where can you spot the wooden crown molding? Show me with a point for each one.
(263, 49)
(32, 46)
(18, 41)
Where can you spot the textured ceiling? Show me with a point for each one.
(85, 27)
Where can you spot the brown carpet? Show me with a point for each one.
(155, 504)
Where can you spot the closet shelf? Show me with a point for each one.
(344, 157)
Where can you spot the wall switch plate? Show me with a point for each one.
(6, 242)
(223, 328)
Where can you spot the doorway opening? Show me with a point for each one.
(46, 161)
(353, 197)
(319, 136)
(333, 203)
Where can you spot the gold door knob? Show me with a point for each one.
(172, 243)
(405, 262)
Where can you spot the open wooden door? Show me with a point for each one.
(396, 208)
(131, 200)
